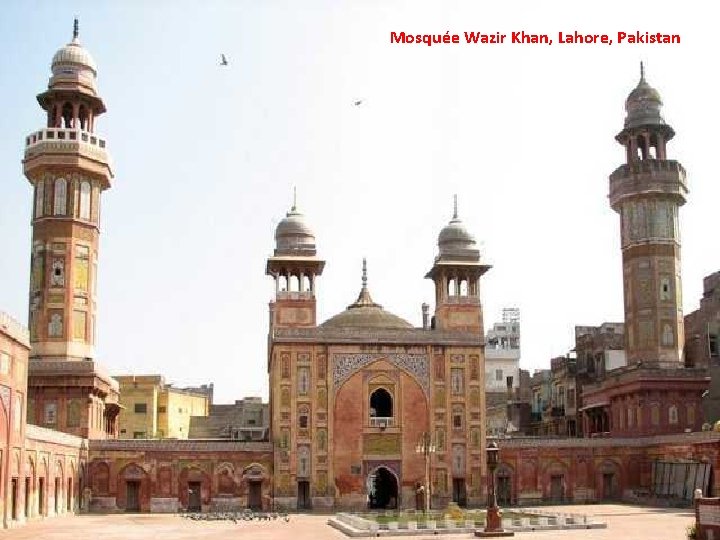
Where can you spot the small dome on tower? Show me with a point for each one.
(293, 234)
(454, 237)
(643, 104)
(73, 56)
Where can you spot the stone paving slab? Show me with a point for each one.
(623, 522)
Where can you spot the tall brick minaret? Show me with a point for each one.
(68, 165)
(647, 191)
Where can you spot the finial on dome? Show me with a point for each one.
(294, 206)
(455, 211)
(642, 71)
(76, 29)
(364, 274)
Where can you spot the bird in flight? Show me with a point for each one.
(223, 60)
(358, 102)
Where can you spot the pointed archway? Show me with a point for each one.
(383, 489)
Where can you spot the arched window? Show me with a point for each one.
(672, 414)
(85, 200)
(60, 202)
(655, 414)
(463, 287)
(39, 198)
(67, 115)
(304, 417)
(83, 116)
(294, 284)
(381, 404)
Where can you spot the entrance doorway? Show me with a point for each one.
(255, 495)
(459, 495)
(27, 497)
(557, 490)
(13, 498)
(41, 496)
(303, 496)
(194, 498)
(383, 489)
(57, 496)
(132, 493)
(504, 493)
(609, 486)
(69, 497)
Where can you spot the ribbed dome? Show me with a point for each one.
(454, 237)
(293, 234)
(365, 313)
(643, 105)
(73, 55)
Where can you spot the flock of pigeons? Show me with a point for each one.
(224, 62)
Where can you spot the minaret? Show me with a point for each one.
(68, 165)
(647, 192)
(456, 273)
(294, 267)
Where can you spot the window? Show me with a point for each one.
(672, 415)
(139, 435)
(381, 404)
(39, 198)
(85, 200)
(303, 381)
(162, 409)
(456, 380)
(4, 363)
(499, 375)
(713, 345)
(457, 419)
(655, 414)
(690, 415)
(51, 413)
(630, 418)
(141, 408)
(304, 417)
(60, 202)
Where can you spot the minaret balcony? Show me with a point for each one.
(67, 146)
(648, 176)
(295, 295)
(463, 300)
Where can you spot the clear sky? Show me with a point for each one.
(206, 158)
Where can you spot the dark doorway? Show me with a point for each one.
(57, 496)
(504, 490)
(459, 495)
(384, 490)
(27, 497)
(41, 497)
(381, 404)
(132, 496)
(194, 497)
(303, 496)
(557, 490)
(69, 495)
(13, 498)
(255, 495)
(609, 490)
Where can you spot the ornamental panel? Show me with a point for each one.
(345, 365)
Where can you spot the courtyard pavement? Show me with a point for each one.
(624, 523)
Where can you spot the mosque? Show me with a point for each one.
(366, 410)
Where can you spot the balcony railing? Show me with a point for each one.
(63, 135)
(382, 421)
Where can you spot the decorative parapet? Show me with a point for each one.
(418, 336)
(71, 367)
(45, 435)
(14, 329)
(178, 445)
(700, 437)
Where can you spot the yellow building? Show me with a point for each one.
(153, 409)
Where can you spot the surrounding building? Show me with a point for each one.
(68, 165)
(245, 420)
(702, 327)
(153, 409)
(502, 353)
(352, 398)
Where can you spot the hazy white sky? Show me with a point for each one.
(206, 158)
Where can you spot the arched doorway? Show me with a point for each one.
(381, 404)
(382, 489)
